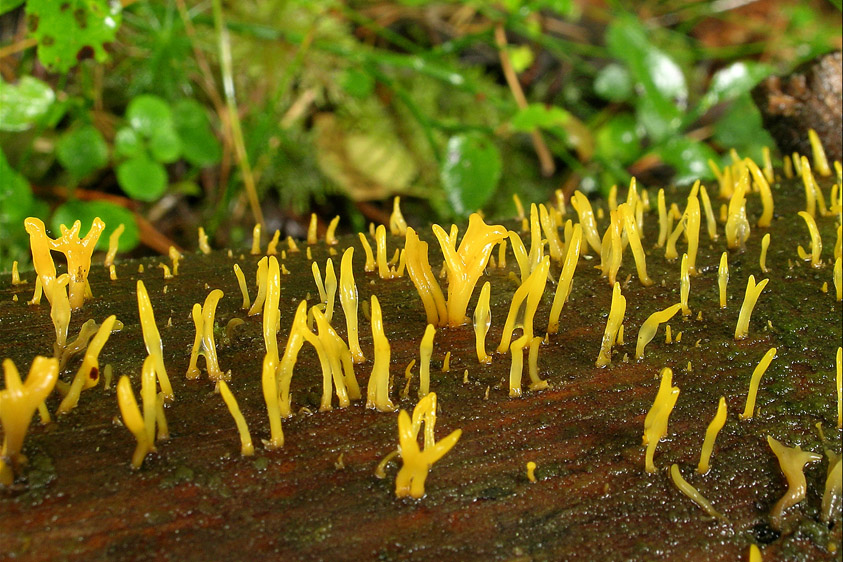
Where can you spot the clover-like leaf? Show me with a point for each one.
(200, 146)
(82, 151)
(24, 104)
(142, 178)
(148, 113)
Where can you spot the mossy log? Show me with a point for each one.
(318, 497)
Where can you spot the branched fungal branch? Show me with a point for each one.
(88, 374)
(465, 264)
(418, 268)
(531, 290)
(753, 291)
(816, 242)
(18, 402)
(792, 461)
(397, 224)
(349, 302)
(417, 462)
(209, 346)
(377, 392)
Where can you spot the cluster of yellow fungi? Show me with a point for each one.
(465, 262)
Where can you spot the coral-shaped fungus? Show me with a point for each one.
(417, 462)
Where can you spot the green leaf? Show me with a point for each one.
(730, 82)
(128, 143)
(165, 145)
(112, 215)
(357, 83)
(741, 128)
(539, 116)
(470, 172)
(200, 146)
(15, 195)
(659, 78)
(521, 57)
(148, 113)
(619, 139)
(70, 30)
(24, 104)
(82, 150)
(142, 179)
(613, 83)
(689, 158)
(9, 5)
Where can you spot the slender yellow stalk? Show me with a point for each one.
(133, 420)
(330, 289)
(753, 291)
(516, 367)
(331, 232)
(531, 291)
(589, 225)
(655, 423)
(87, 375)
(691, 492)
(839, 363)
(737, 225)
(349, 302)
(813, 193)
(204, 247)
(663, 224)
(631, 229)
(113, 245)
(563, 288)
(270, 308)
(838, 278)
(536, 383)
(482, 321)
(149, 398)
(710, 222)
(765, 245)
(192, 370)
(334, 347)
(820, 159)
(651, 325)
(272, 247)
(521, 256)
(397, 224)
(723, 277)
(766, 194)
(312, 233)
(377, 392)
(816, 242)
(260, 278)
(241, 281)
(613, 325)
(256, 240)
(152, 340)
(749, 408)
(246, 447)
(551, 230)
(425, 352)
(209, 347)
(684, 285)
(714, 428)
(418, 268)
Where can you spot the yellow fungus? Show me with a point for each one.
(839, 363)
(241, 281)
(755, 380)
(723, 277)
(521, 256)
(272, 247)
(502, 254)
(753, 291)
(663, 219)
(765, 245)
(466, 264)
(531, 471)
(42, 260)
(246, 446)
(418, 268)
(838, 246)
(397, 224)
(112, 273)
(768, 164)
(203, 242)
(754, 554)
(167, 273)
(149, 398)
(18, 402)
(107, 374)
(691, 492)
(838, 279)
(813, 193)
(816, 241)
(560, 202)
(550, 229)
(330, 289)
(113, 244)
(833, 490)
(425, 352)
(78, 253)
(612, 199)
(517, 365)
(631, 229)
(192, 370)
(311, 230)
(299, 333)
(792, 461)
(613, 326)
(655, 423)
(531, 291)
(710, 222)
(684, 285)
(737, 225)
(349, 302)
(377, 392)
(714, 428)
(339, 360)
(292, 247)
(651, 325)
(260, 278)
(563, 288)
(133, 420)
(60, 311)
(820, 159)
(380, 470)
(307, 253)
(482, 321)
(533, 365)
(140, 266)
(612, 252)
(152, 339)
(331, 232)
(619, 338)
(446, 363)
(416, 462)
(667, 334)
(87, 375)
(270, 308)
(766, 194)
(256, 240)
(284, 270)
(36, 295)
(586, 215)
(230, 326)
(209, 348)
(175, 257)
(536, 244)
(367, 249)
(320, 285)
(519, 208)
